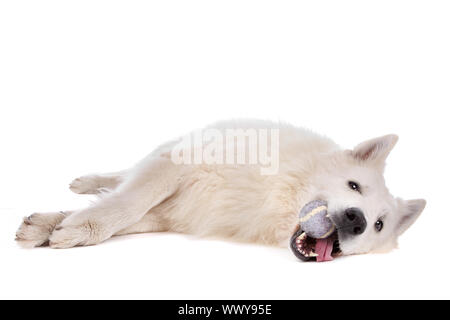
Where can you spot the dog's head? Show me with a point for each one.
(366, 216)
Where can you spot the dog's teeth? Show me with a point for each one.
(312, 254)
(303, 235)
(298, 241)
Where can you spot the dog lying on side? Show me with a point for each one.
(238, 201)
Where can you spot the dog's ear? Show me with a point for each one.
(375, 150)
(410, 210)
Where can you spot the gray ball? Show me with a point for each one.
(314, 220)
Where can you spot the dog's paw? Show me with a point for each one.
(36, 229)
(85, 185)
(68, 236)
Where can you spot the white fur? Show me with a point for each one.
(234, 201)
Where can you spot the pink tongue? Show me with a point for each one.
(324, 247)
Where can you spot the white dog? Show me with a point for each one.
(207, 196)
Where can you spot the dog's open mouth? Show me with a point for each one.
(307, 248)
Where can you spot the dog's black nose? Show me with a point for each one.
(354, 222)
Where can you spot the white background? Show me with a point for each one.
(93, 86)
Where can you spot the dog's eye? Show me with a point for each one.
(379, 225)
(354, 186)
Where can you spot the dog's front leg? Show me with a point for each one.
(151, 183)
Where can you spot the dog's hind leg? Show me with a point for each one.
(149, 223)
(97, 183)
(36, 229)
(150, 183)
